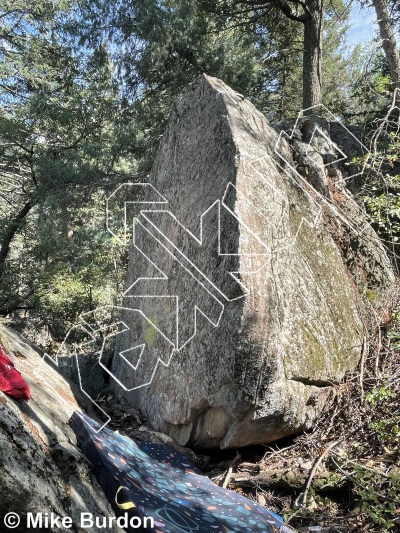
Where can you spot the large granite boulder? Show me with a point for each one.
(41, 468)
(239, 314)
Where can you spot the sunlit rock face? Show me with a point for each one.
(240, 313)
(41, 467)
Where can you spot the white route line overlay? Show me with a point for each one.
(300, 180)
(85, 327)
(160, 199)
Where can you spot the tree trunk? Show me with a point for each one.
(312, 55)
(12, 229)
(388, 40)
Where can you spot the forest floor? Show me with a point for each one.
(344, 475)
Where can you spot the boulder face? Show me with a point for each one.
(41, 468)
(239, 312)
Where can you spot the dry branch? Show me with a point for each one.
(251, 476)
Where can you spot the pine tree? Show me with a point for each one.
(57, 125)
(389, 44)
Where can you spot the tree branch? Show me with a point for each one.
(287, 11)
(12, 230)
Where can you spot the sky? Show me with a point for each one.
(363, 26)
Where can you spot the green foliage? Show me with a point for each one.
(378, 395)
(384, 427)
(382, 83)
(87, 88)
(340, 65)
(384, 210)
(378, 490)
(369, 85)
(85, 267)
(381, 187)
(58, 157)
(158, 48)
(395, 337)
(378, 495)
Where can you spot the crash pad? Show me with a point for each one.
(159, 482)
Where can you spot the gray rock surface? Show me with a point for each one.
(231, 360)
(324, 156)
(41, 468)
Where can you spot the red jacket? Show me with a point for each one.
(11, 381)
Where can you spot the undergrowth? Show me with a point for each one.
(359, 434)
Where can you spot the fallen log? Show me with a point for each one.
(251, 475)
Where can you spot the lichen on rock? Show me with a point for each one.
(267, 314)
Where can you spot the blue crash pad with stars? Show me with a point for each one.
(165, 485)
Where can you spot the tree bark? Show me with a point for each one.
(12, 229)
(388, 40)
(312, 55)
(310, 14)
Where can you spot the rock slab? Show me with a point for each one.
(41, 468)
